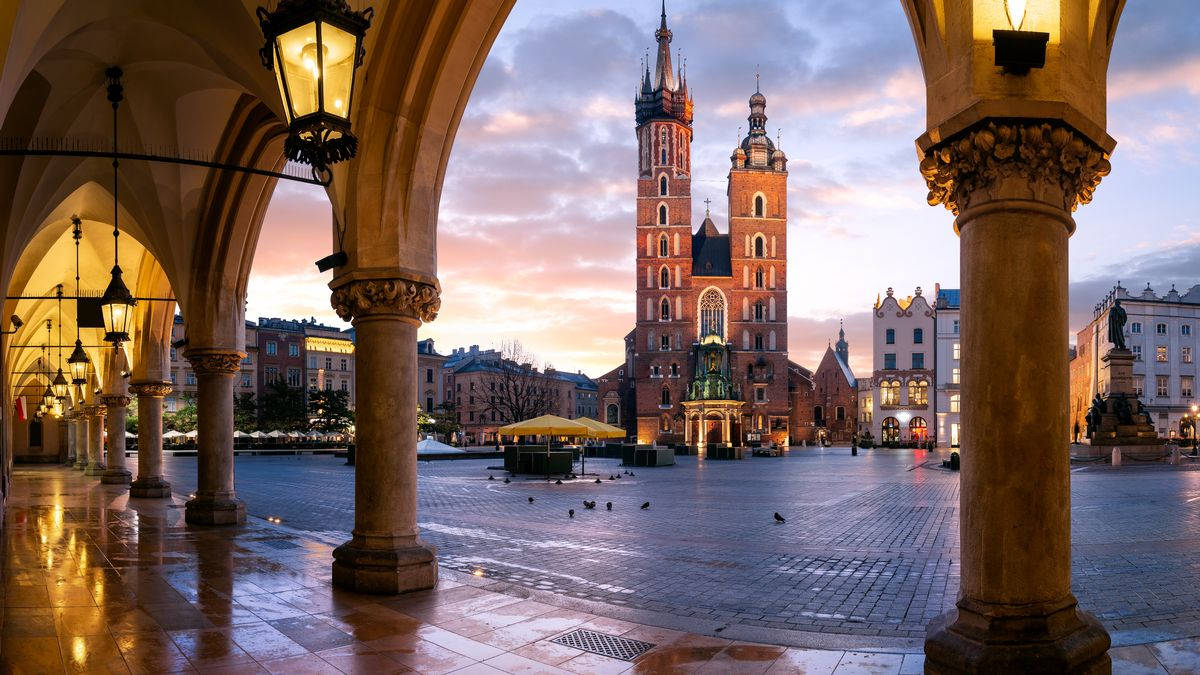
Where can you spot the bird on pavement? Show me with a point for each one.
(570, 513)
(609, 506)
(491, 477)
(531, 500)
(618, 476)
(611, 477)
(779, 518)
(506, 480)
(630, 473)
(597, 480)
(645, 505)
(589, 505)
(558, 482)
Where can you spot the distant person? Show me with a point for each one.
(1076, 429)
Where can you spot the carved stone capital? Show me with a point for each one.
(151, 388)
(406, 297)
(1040, 161)
(115, 400)
(206, 362)
(93, 410)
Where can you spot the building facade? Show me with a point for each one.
(948, 367)
(708, 361)
(835, 395)
(329, 359)
(902, 403)
(280, 352)
(183, 378)
(431, 391)
(1161, 331)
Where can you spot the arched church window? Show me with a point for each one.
(665, 310)
(759, 247)
(758, 278)
(674, 370)
(664, 278)
(666, 396)
(611, 413)
(758, 311)
(662, 246)
(662, 146)
(712, 313)
(759, 206)
(758, 342)
(662, 186)
(662, 214)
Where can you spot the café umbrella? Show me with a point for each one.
(546, 425)
(599, 430)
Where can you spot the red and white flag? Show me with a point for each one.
(21, 416)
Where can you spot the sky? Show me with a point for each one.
(542, 175)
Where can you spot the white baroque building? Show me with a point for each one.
(1161, 331)
(948, 367)
(901, 406)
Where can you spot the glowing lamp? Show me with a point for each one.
(1019, 51)
(78, 363)
(116, 305)
(47, 397)
(60, 386)
(315, 47)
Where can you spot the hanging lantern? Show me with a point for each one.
(48, 397)
(78, 363)
(315, 47)
(117, 305)
(60, 385)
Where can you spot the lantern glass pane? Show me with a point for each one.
(79, 370)
(283, 92)
(116, 316)
(297, 51)
(338, 62)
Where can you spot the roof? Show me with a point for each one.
(710, 252)
(846, 372)
(947, 298)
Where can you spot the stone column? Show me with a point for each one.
(95, 464)
(150, 483)
(81, 439)
(1013, 187)
(385, 554)
(116, 473)
(69, 419)
(216, 502)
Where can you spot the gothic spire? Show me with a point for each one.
(664, 77)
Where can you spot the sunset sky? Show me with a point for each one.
(536, 233)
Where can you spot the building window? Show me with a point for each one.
(955, 402)
(840, 414)
(891, 430)
(918, 392)
(889, 392)
(662, 186)
(889, 336)
(760, 394)
(662, 246)
(665, 343)
(312, 362)
(712, 313)
(918, 360)
(1135, 327)
(328, 363)
(759, 206)
(428, 404)
(293, 377)
(758, 278)
(173, 354)
(344, 364)
(1185, 386)
(1164, 384)
(1160, 353)
(956, 352)
(1137, 352)
(328, 384)
(429, 374)
(1161, 329)
(1185, 329)
(654, 372)
(666, 396)
(889, 361)
(758, 311)
(472, 415)
(246, 382)
(665, 310)
(662, 146)
(918, 336)
(271, 348)
(1137, 386)
(956, 326)
(611, 414)
(1185, 353)
(271, 374)
(760, 245)
(955, 375)
(293, 349)
(190, 378)
(664, 278)
(345, 385)
(674, 370)
(758, 341)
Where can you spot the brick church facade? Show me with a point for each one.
(707, 361)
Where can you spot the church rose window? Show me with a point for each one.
(712, 314)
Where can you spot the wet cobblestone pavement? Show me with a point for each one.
(870, 546)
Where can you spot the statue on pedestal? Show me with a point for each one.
(1116, 325)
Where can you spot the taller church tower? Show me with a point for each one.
(663, 112)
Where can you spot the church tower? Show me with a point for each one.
(663, 113)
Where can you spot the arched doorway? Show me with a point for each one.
(918, 431)
(891, 430)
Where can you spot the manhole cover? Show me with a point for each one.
(605, 645)
(279, 543)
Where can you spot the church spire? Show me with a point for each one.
(843, 348)
(664, 77)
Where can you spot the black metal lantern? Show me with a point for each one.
(78, 363)
(60, 385)
(315, 47)
(48, 397)
(116, 305)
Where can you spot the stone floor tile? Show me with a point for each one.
(595, 664)
(1179, 657)
(1135, 660)
(312, 633)
(210, 649)
(306, 664)
(869, 663)
(30, 655)
(519, 665)
(29, 622)
(478, 669)
(806, 662)
(264, 642)
(550, 653)
(914, 664)
(458, 643)
(152, 652)
(354, 659)
(747, 658)
(92, 654)
(426, 657)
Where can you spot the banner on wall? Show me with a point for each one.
(20, 411)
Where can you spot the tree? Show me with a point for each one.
(513, 388)
(182, 420)
(282, 408)
(329, 410)
(245, 412)
(131, 416)
(443, 421)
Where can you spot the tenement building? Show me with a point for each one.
(707, 359)
(948, 367)
(329, 359)
(183, 376)
(902, 401)
(1160, 330)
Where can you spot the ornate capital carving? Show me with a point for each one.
(93, 410)
(406, 297)
(1042, 161)
(214, 362)
(151, 388)
(115, 400)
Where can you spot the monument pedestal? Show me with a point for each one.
(1119, 417)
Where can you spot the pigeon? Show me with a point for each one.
(506, 480)
(645, 505)
(589, 505)
(611, 477)
(491, 477)
(597, 480)
(630, 473)
(570, 513)
(618, 476)
(609, 506)
(779, 518)
(558, 482)
(531, 500)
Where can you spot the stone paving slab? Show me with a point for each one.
(868, 554)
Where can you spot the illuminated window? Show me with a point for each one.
(955, 402)
(889, 392)
(955, 375)
(1160, 353)
(918, 392)
(1185, 386)
(957, 352)
(1163, 383)
(1185, 353)
(891, 430)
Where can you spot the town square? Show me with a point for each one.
(599, 336)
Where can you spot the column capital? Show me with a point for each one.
(214, 361)
(1038, 160)
(418, 299)
(150, 388)
(115, 400)
(92, 410)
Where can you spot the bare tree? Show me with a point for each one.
(515, 389)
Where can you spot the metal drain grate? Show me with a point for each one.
(605, 645)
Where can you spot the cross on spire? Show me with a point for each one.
(706, 203)
(756, 77)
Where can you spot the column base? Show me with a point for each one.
(385, 571)
(149, 488)
(116, 477)
(80, 464)
(214, 511)
(1042, 638)
(94, 470)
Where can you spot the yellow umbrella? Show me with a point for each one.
(600, 429)
(546, 425)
